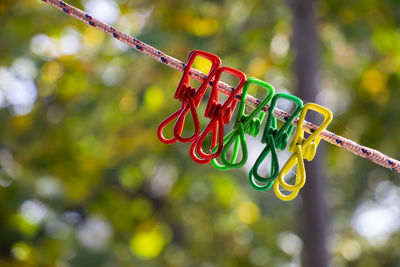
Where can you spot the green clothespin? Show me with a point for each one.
(220, 166)
(274, 138)
(244, 124)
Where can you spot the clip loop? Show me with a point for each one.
(273, 138)
(302, 148)
(220, 114)
(249, 124)
(190, 98)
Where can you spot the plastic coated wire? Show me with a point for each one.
(357, 149)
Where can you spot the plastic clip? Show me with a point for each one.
(190, 98)
(219, 115)
(273, 138)
(302, 148)
(244, 123)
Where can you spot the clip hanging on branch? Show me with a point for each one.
(349, 145)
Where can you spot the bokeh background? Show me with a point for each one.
(84, 180)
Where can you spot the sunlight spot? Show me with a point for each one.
(93, 38)
(257, 67)
(336, 101)
(351, 249)
(376, 231)
(40, 44)
(51, 71)
(21, 251)
(43, 45)
(70, 42)
(202, 27)
(154, 98)
(95, 233)
(374, 81)
(279, 45)
(33, 211)
(163, 180)
(18, 92)
(147, 244)
(24, 68)
(290, 243)
(105, 10)
(247, 212)
(48, 187)
(112, 75)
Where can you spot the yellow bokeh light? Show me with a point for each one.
(247, 212)
(374, 81)
(21, 251)
(154, 98)
(51, 71)
(27, 228)
(147, 244)
(93, 38)
(257, 67)
(202, 27)
(351, 249)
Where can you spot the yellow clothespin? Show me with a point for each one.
(301, 148)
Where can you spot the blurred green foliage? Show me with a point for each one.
(84, 180)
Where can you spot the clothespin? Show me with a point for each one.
(190, 98)
(219, 115)
(249, 124)
(273, 138)
(301, 148)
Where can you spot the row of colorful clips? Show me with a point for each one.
(221, 113)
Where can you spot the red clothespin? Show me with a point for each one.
(190, 98)
(220, 114)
